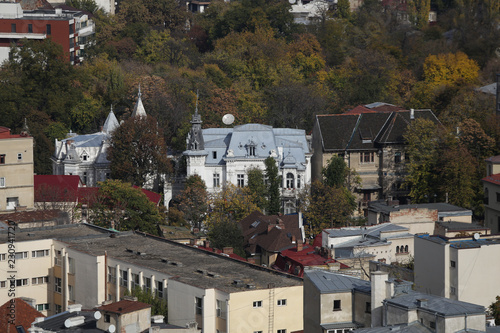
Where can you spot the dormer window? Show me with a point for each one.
(214, 155)
(251, 151)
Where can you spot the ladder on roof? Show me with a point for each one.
(271, 307)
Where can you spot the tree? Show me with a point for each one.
(336, 172)
(138, 153)
(273, 187)
(257, 187)
(231, 202)
(194, 201)
(422, 147)
(158, 304)
(226, 233)
(450, 69)
(329, 207)
(120, 206)
(494, 310)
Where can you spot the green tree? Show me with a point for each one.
(226, 233)
(158, 304)
(231, 202)
(336, 172)
(422, 147)
(120, 206)
(194, 201)
(273, 187)
(257, 187)
(494, 310)
(329, 207)
(138, 153)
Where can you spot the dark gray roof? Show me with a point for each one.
(460, 226)
(414, 327)
(56, 323)
(442, 306)
(444, 209)
(327, 282)
(59, 232)
(462, 243)
(374, 230)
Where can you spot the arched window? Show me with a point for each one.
(290, 180)
(397, 249)
(406, 249)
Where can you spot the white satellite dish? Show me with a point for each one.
(228, 119)
(476, 236)
(111, 328)
(97, 315)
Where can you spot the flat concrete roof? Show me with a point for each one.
(60, 232)
(184, 263)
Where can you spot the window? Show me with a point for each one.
(58, 308)
(147, 284)
(21, 255)
(368, 307)
(214, 155)
(13, 27)
(298, 181)
(40, 280)
(281, 302)
(159, 289)
(107, 318)
(397, 157)
(257, 304)
(21, 282)
(57, 285)
(19, 157)
(135, 280)
(71, 292)
(257, 331)
(367, 196)
(42, 307)
(498, 197)
(336, 305)
(281, 331)
(453, 291)
(453, 264)
(3, 284)
(85, 157)
(12, 203)
(57, 259)
(366, 157)
(71, 29)
(397, 249)
(432, 324)
(221, 309)
(289, 180)
(198, 305)
(2, 181)
(30, 28)
(241, 180)
(406, 248)
(251, 151)
(216, 180)
(111, 275)
(85, 178)
(2, 158)
(39, 253)
(123, 278)
(71, 265)
(48, 29)
(2, 256)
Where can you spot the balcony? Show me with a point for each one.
(88, 30)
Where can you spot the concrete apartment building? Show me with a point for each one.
(334, 303)
(491, 185)
(69, 28)
(88, 265)
(370, 139)
(16, 170)
(464, 269)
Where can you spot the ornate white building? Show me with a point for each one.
(86, 155)
(224, 155)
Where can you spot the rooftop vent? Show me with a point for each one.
(74, 321)
(202, 271)
(74, 307)
(129, 250)
(238, 283)
(212, 274)
(421, 302)
(158, 319)
(250, 286)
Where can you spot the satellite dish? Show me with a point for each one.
(476, 236)
(112, 328)
(228, 119)
(97, 315)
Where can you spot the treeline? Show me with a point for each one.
(248, 58)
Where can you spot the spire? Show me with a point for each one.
(196, 117)
(111, 122)
(139, 110)
(195, 136)
(25, 131)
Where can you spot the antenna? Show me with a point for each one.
(228, 119)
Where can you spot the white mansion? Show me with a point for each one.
(224, 155)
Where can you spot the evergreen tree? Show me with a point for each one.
(273, 187)
(257, 187)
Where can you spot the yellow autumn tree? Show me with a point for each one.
(450, 69)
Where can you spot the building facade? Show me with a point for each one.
(491, 186)
(224, 155)
(71, 29)
(16, 170)
(370, 138)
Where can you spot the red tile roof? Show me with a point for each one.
(56, 188)
(493, 159)
(152, 196)
(5, 134)
(124, 306)
(493, 179)
(24, 315)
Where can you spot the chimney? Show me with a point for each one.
(227, 250)
(206, 243)
(281, 224)
(251, 260)
(300, 245)
(270, 227)
(412, 114)
(379, 294)
(421, 302)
